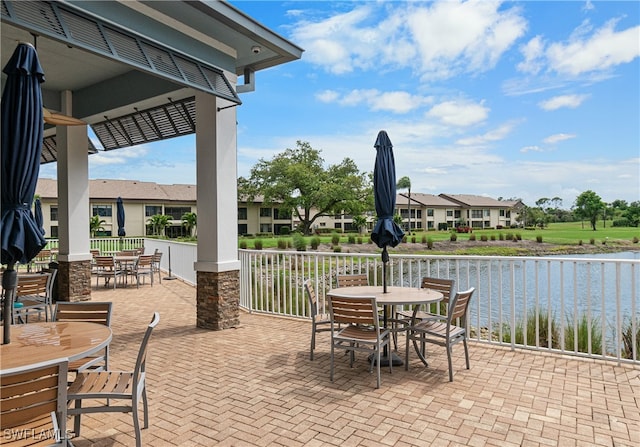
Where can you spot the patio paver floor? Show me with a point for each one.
(255, 386)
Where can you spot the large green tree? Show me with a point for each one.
(589, 206)
(297, 181)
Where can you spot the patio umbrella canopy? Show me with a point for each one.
(22, 132)
(386, 232)
(120, 216)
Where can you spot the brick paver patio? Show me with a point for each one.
(255, 386)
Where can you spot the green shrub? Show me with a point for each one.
(635, 239)
(430, 243)
(243, 244)
(359, 239)
(299, 242)
(285, 230)
(518, 236)
(509, 236)
(583, 335)
(413, 239)
(539, 239)
(484, 238)
(424, 239)
(351, 239)
(315, 242)
(257, 244)
(543, 323)
(580, 242)
(628, 347)
(335, 238)
(282, 244)
(592, 241)
(472, 237)
(501, 236)
(404, 239)
(493, 237)
(337, 249)
(453, 237)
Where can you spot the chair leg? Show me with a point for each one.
(466, 351)
(450, 363)
(378, 367)
(76, 418)
(145, 407)
(331, 369)
(136, 422)
(313, 341)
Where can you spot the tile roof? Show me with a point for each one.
(127, 189)
(474, 201)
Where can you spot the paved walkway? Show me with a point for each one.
(255, 386)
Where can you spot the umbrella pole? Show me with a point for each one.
(385, 260)
(9, 284)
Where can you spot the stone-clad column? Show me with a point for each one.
(217, 266)
(74, 259)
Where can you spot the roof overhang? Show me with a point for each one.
(133, 67)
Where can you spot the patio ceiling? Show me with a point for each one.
(134, 67)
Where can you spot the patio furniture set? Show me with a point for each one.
(358, 324)
(36, 367)
(125, 264)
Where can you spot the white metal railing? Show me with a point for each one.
(107, 244)
(580, 306)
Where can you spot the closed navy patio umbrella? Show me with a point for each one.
(120, 216)
(37, 214)
(386, 233)
(22, 132)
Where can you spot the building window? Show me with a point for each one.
(242, 229)
(449, 213)
(501, 213)
(265, 212)
(101, 210)
(508, 213)
(265, 228)
(53, 231)
(152, 210)
(430, 224)
(476, 214)
(487, 213)
(53, 215)
(242, 213)
(418, 214)
(430, 212)
(337, 226)
(176, 212)
(457, 214)
(281, 214)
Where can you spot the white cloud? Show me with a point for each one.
(526, 149)
(552, 139)
(568, 101)
(493, 135)
(394, 101)
(459, 113)
(327, 96)
(436, 41)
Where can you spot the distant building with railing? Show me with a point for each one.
(142, 200)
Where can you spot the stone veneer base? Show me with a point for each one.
(218, 300)
(74, 281)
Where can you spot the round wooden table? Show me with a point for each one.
(395, 296)
(38, 342)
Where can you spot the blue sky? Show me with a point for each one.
(506, 99)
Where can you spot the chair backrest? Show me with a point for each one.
(144, 261)
(141, 361)
(105, 262)
(157, 257)
(311, 298)
(89, 311)
(43, 255)
(35, 284)
(354, 310)
(459, 304)
(352, 280)
(29, 397)
(94, 252)
(444, 286)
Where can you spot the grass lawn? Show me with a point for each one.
(569, 233)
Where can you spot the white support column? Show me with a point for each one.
(216, 186)
(73, 189)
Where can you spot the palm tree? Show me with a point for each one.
(405, 183)
(359, 222)
(95, 225)
(189, 222)
(158, 223)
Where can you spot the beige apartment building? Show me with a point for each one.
(145, 199)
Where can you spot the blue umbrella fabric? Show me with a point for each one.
(37, 213)
(22, 131)
(386, 233)
(120, 216)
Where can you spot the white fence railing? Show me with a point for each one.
(580, 306)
